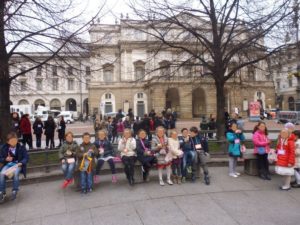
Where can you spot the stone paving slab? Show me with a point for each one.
(244, 200)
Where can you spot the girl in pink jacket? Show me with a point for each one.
(262, 148)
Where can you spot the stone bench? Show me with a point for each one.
(250, 162)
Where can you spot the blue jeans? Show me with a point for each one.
(189, 156)
(86, 180)
(15, 179)
(68, 169)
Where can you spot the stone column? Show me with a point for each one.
(185, 100)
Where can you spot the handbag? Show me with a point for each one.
(284, 171)
(10, 172)
(261, 150)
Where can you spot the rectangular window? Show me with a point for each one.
(54, 70)
(39, 71)
(54, 84)
(70, 84)
(278, 84)
(39, 85)
(290, 82)
(87, 84)
(23, 86)
(107, 76)
(139, 73)
(87, 70)
(70, 70)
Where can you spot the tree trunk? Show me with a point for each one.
(220, 110)
(5, 118)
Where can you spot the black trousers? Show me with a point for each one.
(263, 164)
(129, 162)
(27, 139)
(50, 138)
(111, 165)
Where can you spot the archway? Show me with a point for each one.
(39, 102)
(86, 106)
(199, 102)
(55, 104)
(23, 102)
(172, 99)
(71, 105)
(291, 102)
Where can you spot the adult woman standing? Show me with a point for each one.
(49, 132)
(262, 148)
(61, 131)
(38, 131)
(144, 153)
(127, 147)
(25, 128)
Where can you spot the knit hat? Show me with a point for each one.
(289, 125)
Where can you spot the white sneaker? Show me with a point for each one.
(161, 183)
(238, 174)
(233, 175)
(169, 182)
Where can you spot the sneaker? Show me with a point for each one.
(114, 179)
(285, 188)
(169, 182)
(238, 174)
(65, 184)
(161, 183)
(189, 169)
(233, 175)
(268, 177)
(2, 197)
(183, 179)
(295, 185)
(96, 179)
(13, 195)
(83, 192)
(90, 190)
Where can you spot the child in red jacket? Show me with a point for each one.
(285, 158)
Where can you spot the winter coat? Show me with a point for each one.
(186, 146)
(120, 127)
(199, 139)
(285, 152)
(84, 148)
(297, 154)
(107, 147)
(129, 144)
(15, 126)
(49, 128)
(154, 147)
(66, 149)
(61, 128)
(174, 148)
(25, 126)
(140, 148)
(260, 140)
(234, 148)
(38, 127)
(21, 156)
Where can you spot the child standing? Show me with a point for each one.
(285, 158)
(174, 150)
(160, 147)
(106, 154)
(234, 137)
(296, 184)
(86, 161)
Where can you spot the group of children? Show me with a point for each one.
(286, 155)
(177, 155)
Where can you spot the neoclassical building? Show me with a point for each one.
(127, 77)
(59, 84)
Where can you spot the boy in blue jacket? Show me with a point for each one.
(12, 154)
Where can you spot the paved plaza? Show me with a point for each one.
(244, 200)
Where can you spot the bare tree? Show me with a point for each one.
(222, 36)
(52, 27)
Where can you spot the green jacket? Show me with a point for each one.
(66, 148)
(84, 148)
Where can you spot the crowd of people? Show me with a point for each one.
(154, 142)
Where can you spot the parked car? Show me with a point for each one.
(113, 114)
(68, 116)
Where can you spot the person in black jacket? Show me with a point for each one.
(38, 131)
(106, 154)
(49, 132)
(144, 154)
(200, 145)
(13, 156)
(61, 131)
